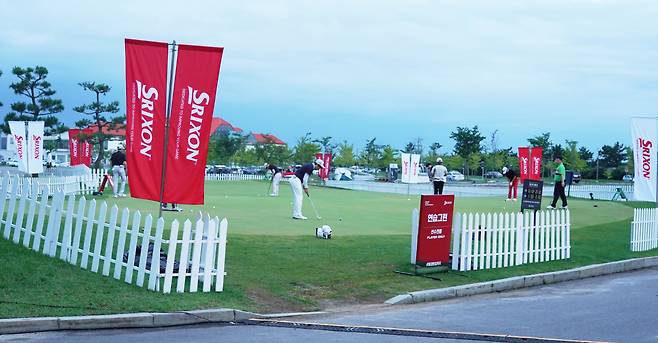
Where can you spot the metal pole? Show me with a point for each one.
(170, 83)
(26, 153)
(530, 162)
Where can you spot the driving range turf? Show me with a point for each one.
(275, 263)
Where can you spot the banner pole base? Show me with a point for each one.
(424, 271)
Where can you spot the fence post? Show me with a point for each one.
(3, 194)
(208, 258)
(221, 255)
(12, 205)
(65, 252)
(109, 244)
(456, 239)
(123, 230)
(519, 238)
(171, 253)
(414, 234)
(184, 253)
(29, 231)
(154, 276)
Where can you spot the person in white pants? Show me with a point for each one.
(276, 179)
(118, 160)
(299, 185)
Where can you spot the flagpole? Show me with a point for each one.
(27, 149)
(166, 135)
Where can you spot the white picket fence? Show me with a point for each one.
(233, 177)
(200, 246)
(644, 229)
(74, 184)
(499, 240)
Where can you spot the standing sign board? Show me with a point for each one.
(532, 192)
(434, 229)
(643, 131)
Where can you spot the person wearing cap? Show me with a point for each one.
(118, 161)
(439, 175)
(558, 190)
(299, 185)
(276, 178)
(513, 186)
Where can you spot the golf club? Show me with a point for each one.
(314, 209)
(269, 189)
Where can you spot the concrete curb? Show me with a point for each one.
(518, 282)
(119, 321)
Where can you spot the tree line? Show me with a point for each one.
(472, 153)
(38, 102)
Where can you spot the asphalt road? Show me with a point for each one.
(618, 308)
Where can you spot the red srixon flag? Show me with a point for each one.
(530, 163)
(326, 158)
(74, 147)
(84, 148)
(146, 96)
(195, 86)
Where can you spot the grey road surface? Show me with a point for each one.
(617, 308)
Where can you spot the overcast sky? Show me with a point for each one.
(395, 70)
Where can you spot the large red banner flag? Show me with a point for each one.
(146, 87)
(74, 147)
(530, 163)
(195, 86)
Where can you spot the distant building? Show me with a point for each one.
(220, 126)
(254, 139)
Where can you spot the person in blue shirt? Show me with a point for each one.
(299, 185)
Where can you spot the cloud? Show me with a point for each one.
(440, 62)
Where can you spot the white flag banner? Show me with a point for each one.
(17, 129)
(406, 167)
(35, 147)
(643, 132)
(415, 168)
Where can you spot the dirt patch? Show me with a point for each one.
(271, 303)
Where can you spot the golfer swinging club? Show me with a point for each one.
(299, 183)
(513, 183)
(276, 178)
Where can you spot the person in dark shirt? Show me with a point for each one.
(299, 184)
(276, 178)
(118, 160)
(513, 179)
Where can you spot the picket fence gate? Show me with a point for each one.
(97, 245)
(644, 229)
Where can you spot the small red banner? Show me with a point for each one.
(434, 230)
(326, 158)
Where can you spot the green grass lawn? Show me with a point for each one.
(274, 263)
